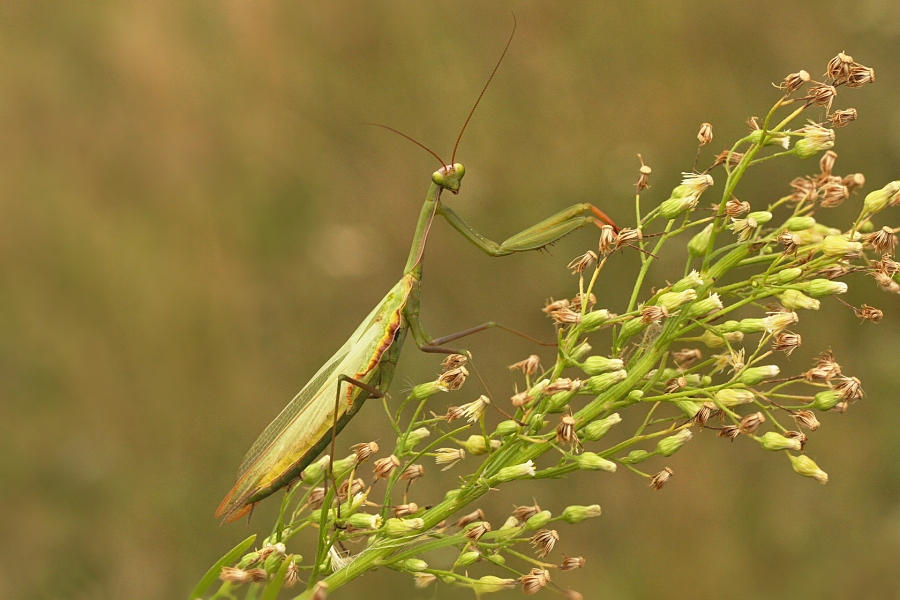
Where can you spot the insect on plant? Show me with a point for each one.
(366, 361)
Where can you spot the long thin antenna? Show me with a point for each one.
(483, 90)
(417, 143)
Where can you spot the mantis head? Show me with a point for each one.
(449, 177)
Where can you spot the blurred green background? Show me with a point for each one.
(192, 218)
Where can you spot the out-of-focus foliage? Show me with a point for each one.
(192, 219)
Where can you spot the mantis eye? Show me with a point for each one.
(449, 177)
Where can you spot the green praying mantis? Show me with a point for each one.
(366, 362)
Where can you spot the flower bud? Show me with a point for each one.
(755, 375)
(507, 427)
(597, 429)
(514, 472)
(344, 465)
(670, 445)
(426, 390)
(816, 139)
(698, 244)
(593, 320)
(703, 307)
(539, 520)
(826, 400)
(580, 351)
(490, 583)
(578, 514)
(632, 327)
(775, 441)
(636, 456)
(476, 446)
(635, 395)
(728, 327)
(838, 245)
(595, 365)
(691, 281)
(731, 397)
(760, 216)
(786, 276)
(600, 383)
(804, 465)
(558, 401)
(589, 461)
(772, 139)
(878, 200)
(714, 340)
(415, 436)
(672, 301)
(413, 565)
(799, 223)
(779, 321)
(401, 527)
(688, 407)
(794, 299)
(364, 521)
(748, 326)
(819, 288)
(468, 558)
(497, 559)
(674, 206)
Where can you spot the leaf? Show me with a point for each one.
(214, 570)
(274, 586)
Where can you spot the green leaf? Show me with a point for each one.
(214, 570)
(274, 586)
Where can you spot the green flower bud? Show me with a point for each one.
(635, 456)
(581, 351)
(589, 461)
(819, 288)
(786, 276)
(755, 375)
(794, 299)
(595, 430)
(878, 200)
(826, 230)
(772, 139)
(511, 523)
(400, 527)
(451, 495)
(867, 227)
(799, 223)
(578, 514)
(364, 521)
(838, 245)
(728, 327)
(775, 441)
(316, 470)
(274, 560)
(826, 400)
(804, 465)
(505, 428)
(600, 383)
(691, 282)
(635, 395)
(248, 559)
(468, 558)
(344, 465)
(816, 139)
(676, 205)
(705, 381)
(670, 445)
(415, 436)
(448, 579)
(730, 397)
(703, 307)
(748, 326)
(476, 446)
(539, 520)
(713, 340)
(780, 321)
(698, 244)
(497, 559)
(760, 216)
(688, 407)
(490, 583)
(593, 320)
(672, 301)
(413, 565)
(595, 365)
(426, 390)
(522, 471)
(632, 327)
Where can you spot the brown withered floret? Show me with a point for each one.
(869, 313)
(660, 479)
(751, 423)
(839, 118)
(544, 540)
(806, 419)
(643, 181)
(793, 81)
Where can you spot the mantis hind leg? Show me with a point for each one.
(374, 393)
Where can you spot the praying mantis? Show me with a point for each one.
(366, 361)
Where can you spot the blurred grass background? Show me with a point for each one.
(192, 219)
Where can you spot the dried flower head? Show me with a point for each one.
(751, 423)
(653, 314)
(449, 457)
(686, 357)
(826, 368)
(475, 533)
(544, 540)
(854, 181)
(744, 228)
(833, 194)
(786, 342)
(799, 436)
(406, 510)
(412, 472)
(423, 580)
(521, 398)
(565, 431)
(703, 414)
(883, 240)
(471, 411)
(554, 305)
(353, 487)
(661, 479)
(794, 81)
(385, 466)
(627, 237)
(565, 316)
(869, 313)
(292, 576)
(581, 263)
(589, 302)
(822, 94)
(607, 239)
(735, 208)
(826, 163)
(860, 76)
(563, 384)
(523, 513)
(839, 118)
(705, 135)
(243, 575)
(729, 431)
(570, 563)
(529, 366)
(676, 384)
(803, 189)
(839, 67)
(453, 379)
(454, 361)
(364, 451)
(643, 181)
(732, 158)
(806, 419)
(470, 518)
(534, 581)
(850, 388)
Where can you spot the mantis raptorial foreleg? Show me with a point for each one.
(535, 237)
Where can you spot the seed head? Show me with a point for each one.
(565, 316)
(706, 134)
(854, 181)
(385, 466)
(454, 378)
(786, 342)
(562, 384)
(406, 510)
(806, 419)
(860, 76)
(732, 158)
(839, 118)
(729, 431)
(292, 577)
(826, 368)
(850, 388)
(883, 240)
(686, 357)
(454, 361)
(822, 94)
(470, 518)
(570, 563)
(477, 531)
(833, 194)
(534, 581)
(581, 263)
(529, 366)
(589, 301)
(554, 305)
(364, 451)
(803, 189)
(353, 487)
(869, 313)
(661, 479)
(412, 472)
(734, 208)
(544, 540)
(520, 398)
(703, 414)
(839, 67)
(628, 236)
(643, 181)
(794, 81)
(607, 239)
(751, 423)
